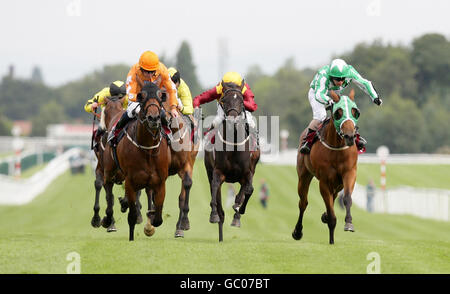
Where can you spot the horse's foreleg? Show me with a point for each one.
(98, 184)
(349, 184)
(330, 216)
(302, 189)
(248, 191)
(236, 222)
(132, 212)
(159, 196)
(221, 214)
(108, 221)
(149, 230)
(216, 183)
(138, 207)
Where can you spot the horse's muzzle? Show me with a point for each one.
(349, 139)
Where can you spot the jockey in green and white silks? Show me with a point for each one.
(335, 76)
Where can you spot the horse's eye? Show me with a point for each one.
(337, 114)
(355, 113)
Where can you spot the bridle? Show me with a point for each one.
(237, 93)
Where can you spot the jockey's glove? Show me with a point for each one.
(378, 101)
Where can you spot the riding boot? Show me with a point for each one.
(112, 136)
(307, 141)
(166, 127)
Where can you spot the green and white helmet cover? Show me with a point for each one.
(346, 104)
(339, 68)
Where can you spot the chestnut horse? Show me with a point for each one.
(113, 106)
(143, 158)
(333, 162)
(232, 160)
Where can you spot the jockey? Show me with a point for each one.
(116, 88)
(335, 76)
(147, 70)
(216, 93)
(183, 92)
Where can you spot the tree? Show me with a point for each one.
(431, 55)
(36, 75)
(186, 67)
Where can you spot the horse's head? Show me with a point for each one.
(345, 116)
(232, 101)
(151, 106)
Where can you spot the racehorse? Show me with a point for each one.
(231, 161)
(183, 153)
(332, 162)
(142, 159)
(112, 107)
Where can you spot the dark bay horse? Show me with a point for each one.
(333, 162)
(232, 159)
(143, 158)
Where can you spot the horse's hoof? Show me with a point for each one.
(297, 235)
(149, 230)
(185, 225)
(179, 234)
(214, 218)
(139, 219)
(236, 223)
(105, 223)
(349, 227)
(111, 228)
(123, 204)
(95, 222)
(241, 210)
(324, 218)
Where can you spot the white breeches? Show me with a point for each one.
(318, 109)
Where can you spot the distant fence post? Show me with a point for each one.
(382, 153)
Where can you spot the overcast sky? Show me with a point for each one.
(70, 38)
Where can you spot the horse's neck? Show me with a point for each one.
(331, 136)
(143, 136)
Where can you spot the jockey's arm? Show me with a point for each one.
(321, 89)
(98, 98)
(249, 99)
(132, 85)
(205, 97)
(171, 90)
(186, 98)
(363, 84)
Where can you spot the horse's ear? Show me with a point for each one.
(334, 96)
(352, 95)
(242, 84)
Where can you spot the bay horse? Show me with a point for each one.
(232, 160)
(142, 159)
(113, 106)
(183, 153)
(333, 162)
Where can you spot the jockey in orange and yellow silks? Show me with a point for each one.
(148, 70)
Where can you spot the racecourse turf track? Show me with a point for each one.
(37, 237)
